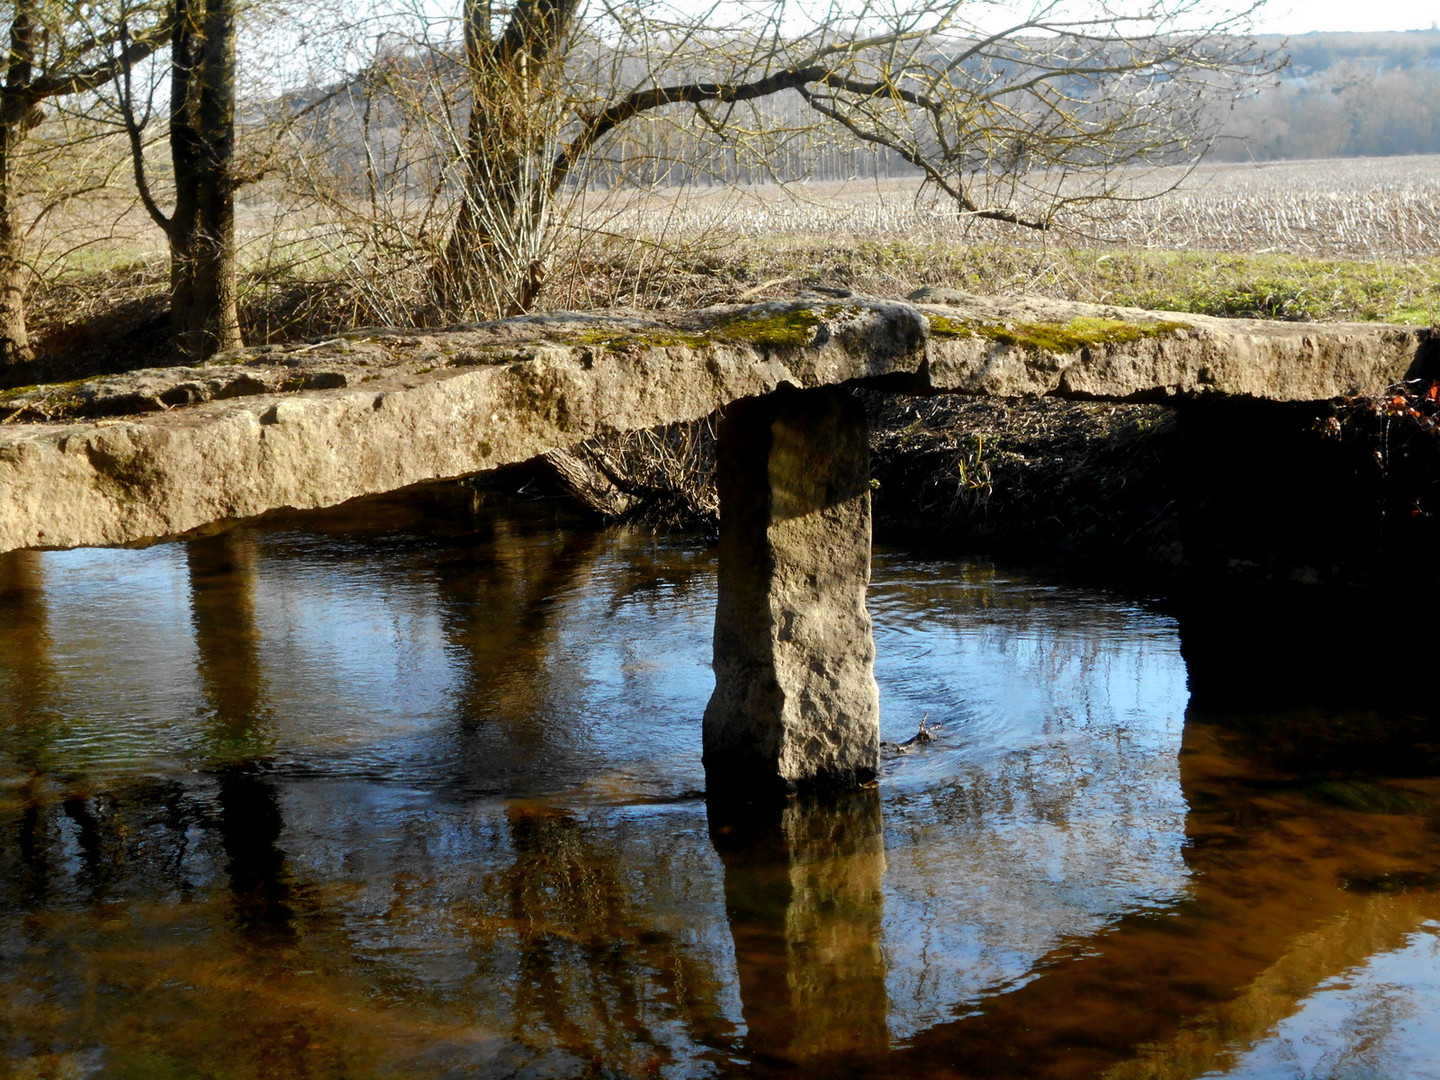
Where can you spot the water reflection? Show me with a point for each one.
(1363, 1020)
(1278, 899)
(221, 572)
(413, 791)
(804, 900)
(26, 681)
(595, 976)
(25, 671)
(516, 689)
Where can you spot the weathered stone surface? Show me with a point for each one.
(272, 370)
(1011, 347)
(447, 405)
(159, 453)
(795, 699)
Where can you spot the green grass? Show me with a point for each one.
(1266, 286)
(1274, 286)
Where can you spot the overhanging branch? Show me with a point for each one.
(102, 72)
(641, 101)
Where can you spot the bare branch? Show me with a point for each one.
(103, 71)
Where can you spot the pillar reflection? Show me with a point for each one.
(804, 901)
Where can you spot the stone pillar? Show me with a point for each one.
(795, 703)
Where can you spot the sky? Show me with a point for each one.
(1302, 16)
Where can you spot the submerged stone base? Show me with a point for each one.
(795, 703)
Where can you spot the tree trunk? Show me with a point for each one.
(16, 117)
(14, 274)
(588, 485)
(493, 263)
(494, 259)
(203, 314)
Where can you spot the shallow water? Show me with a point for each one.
(409, 791)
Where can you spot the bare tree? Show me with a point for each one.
(1020, 118)
(494, 258)
(195, 106)
(54, 50)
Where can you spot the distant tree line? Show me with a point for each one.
(1343, 95)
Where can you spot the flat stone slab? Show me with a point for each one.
(162, 452)
(1011, 347)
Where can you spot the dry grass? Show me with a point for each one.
(1352, 209)
(1372, 208)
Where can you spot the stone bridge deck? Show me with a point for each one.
(160, 453)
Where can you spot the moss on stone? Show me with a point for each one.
(942, 326)
(1066, 337)
(788, 329)
(612, 340)
(59, 401)
(793, 329)
(47, 388)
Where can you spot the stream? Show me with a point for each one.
(412, 789)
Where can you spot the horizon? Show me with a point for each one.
(1296, 17)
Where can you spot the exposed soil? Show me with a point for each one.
(1034, 477)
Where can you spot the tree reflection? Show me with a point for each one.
(222, 574)
(250, 824)
(596, 974)
(26, 671)
(227, 643)
(25, 691)
(499, 601)
(516, 598)
(803, 898)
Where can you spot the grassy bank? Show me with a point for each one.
(1324, 240)
(1267, 286)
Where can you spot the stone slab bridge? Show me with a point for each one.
(160, 453)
